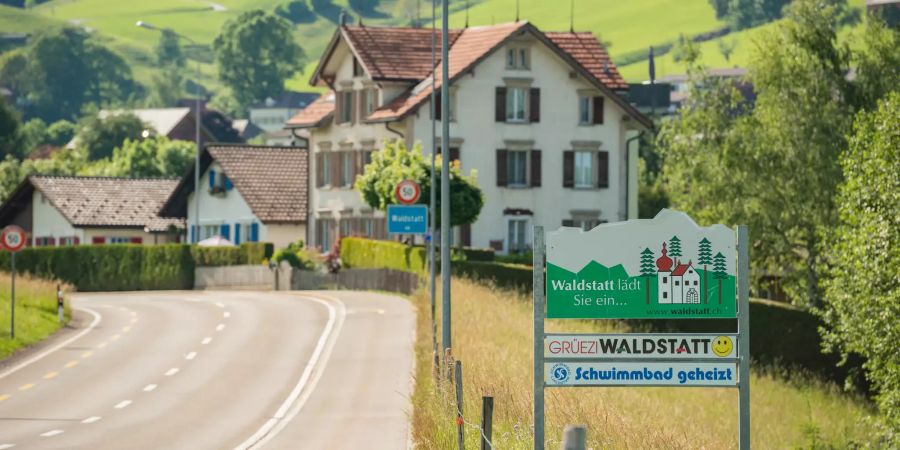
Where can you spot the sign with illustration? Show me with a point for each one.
(650, 373)
(640, 346)
(667, 267)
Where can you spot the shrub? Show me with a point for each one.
(526, 258)
(366, 253)
(511, 276)
(246, 253)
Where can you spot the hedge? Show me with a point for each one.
(511, 276)
(127, 267)
(370, 254)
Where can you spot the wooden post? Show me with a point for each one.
(460, 425)
(487, 420)
(574, 437)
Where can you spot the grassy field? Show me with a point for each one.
(492, 336)
(35, 312)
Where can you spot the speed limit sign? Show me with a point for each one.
(12, 238)
(408, 192)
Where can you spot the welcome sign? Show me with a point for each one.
(661, 268)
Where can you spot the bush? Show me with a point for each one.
(526, 258)
(511, 276)
(370, 254)
(246, 253)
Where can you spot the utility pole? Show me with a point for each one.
(445, 178)
(433, 201)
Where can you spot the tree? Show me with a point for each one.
(675, 248)
(101, 135)
(726, 47)
(256, 53)
(9, 129)
(59, 133)
(877, 63)
(719, 271)
(297, 11)
(647, 269)
(862, 295)
(705, 259)
(168, 49)
(154, 157)
(166, 88)
(32, 134)
(394, 163)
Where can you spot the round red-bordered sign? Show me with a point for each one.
(12, 238)
(408, 192)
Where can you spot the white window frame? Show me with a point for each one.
(513, 100)
(370, 101)
(346, 99)
(585, 110)
(516, 235)
(512, 165)
(517, 58)
(580, 172)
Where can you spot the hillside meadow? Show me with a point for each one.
(35, 311)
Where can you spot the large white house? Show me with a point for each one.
(536, 114)
(248, 194)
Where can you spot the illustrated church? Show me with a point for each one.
(681, 285)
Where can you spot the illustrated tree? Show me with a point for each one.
(705, 259)
(719, 272)
(647, 270)
(675, 248)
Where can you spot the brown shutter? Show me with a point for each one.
(598, 110)
(500, 105)
(336, 169)
(454, 154)
(465, 235)
(534, 106)
(502, 179)
(353, 104)
(603, 169)
(437, 105)
(354, 166)
(320, 170)
(535, 168)
(337, 107)
(568, 169)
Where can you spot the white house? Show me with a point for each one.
(248, 194)
(56, 210)
(681, 285)
(536, 114)
(271, 114)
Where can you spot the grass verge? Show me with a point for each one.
(492, 337)
(35, 312)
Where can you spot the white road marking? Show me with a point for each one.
(40, 356)
(149, 387)
(123, 404)
(91, 419)
(206, 340)
(52, 433)
(172, 371)
(6, 446)
(226, 314)
(220, 304)
(220, 327)
(311, 374)
(190, 356)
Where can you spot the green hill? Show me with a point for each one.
(628, 27)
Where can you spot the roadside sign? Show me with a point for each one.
(667, 267)
(407, 219)
(407, 192)
(12, 238)
(650, 373)
(640, 346)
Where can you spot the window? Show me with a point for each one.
(586, 224)
(517, 58)
(345, 106)
(665, 279)
(325, 234)
(516, 163)
(347, 175)
(210, 231)
(118, 240)
(585, 113)
(515, 242)
(437, 105)
(357, 68)
(584, 169)
(366, 159)
(665, 295)
(515, 104)
(324, 169)
(346, 229)
(370, 102)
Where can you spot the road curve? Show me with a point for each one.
(216, 370)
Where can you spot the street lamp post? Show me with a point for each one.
(197, 118)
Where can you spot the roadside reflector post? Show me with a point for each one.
(487, 422)
(574, 437)
(460, 421)
(60, 306)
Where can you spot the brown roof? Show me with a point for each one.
(108, 201)
(590, 53)
(272, 180)
(395, 53)
(314, 114)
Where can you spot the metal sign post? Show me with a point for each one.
(12, 239)
(539, 312)
(743, 337)
(12, 299)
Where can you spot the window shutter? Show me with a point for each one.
(454, 154)
(502, 179)
(568, 169)
(212, 179)
(96, 240)
(338, 99)
(534, 106)
(254, 232)
(437, 105)
(237, 233)
(320, 169)
(500, 105)
(360, 162)
(568, 223)
(465, 234)
(75, 240)
(225, 231)
(51, 241)
(603, 169)
(336, 169)
(354, 159)
(535, 168)
(598, 110)
(227, 181)
(137, 240)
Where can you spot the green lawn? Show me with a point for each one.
(16, 20)
(35, 312)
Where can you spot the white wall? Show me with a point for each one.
(271, 119)
(49, 222)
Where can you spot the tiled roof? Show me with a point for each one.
(395, 53)
(315, 113)
(163, 120)
(590, 53)
(272, 180)
(108, 202)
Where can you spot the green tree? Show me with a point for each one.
(32, 134)
(705, 259)
(101, 135)
(394, 163)
(719, 271)
(675, 248)
(59, 133)
(168, 49)
(154, 157)
(647, 269)
(862, 296)
(10, 123)
(256, 53)
(166, 88)
(877, 63)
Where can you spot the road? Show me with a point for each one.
(216, 370)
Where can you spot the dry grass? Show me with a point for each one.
(35, 311)
(492, 337)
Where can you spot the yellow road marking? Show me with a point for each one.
(101, 345)
(26, 387)
(51, 375)
(71, 364)
(4, 397)
(87, 354)
(126, 329)
(115, 337)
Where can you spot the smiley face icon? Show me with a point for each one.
(722, 346)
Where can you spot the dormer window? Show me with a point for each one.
(517, 58)
(219, 183)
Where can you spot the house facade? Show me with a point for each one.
(536, 115)
(57, 211)
(247, 194)
(271, 114)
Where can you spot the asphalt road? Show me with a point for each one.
(216, 370)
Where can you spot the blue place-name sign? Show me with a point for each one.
(407, 219)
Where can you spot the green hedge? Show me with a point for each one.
(510, 276)
(246, 253)
(370, 254)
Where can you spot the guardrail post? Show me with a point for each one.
(574, 437)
